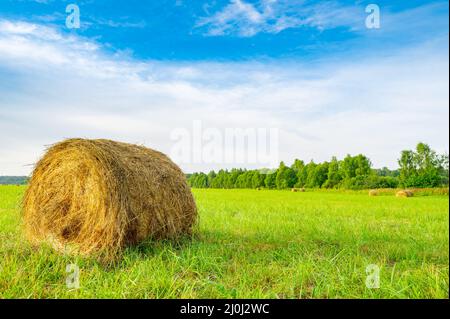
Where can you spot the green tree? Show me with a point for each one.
(363, 165)
(422, 167)
(298, 165)
(270, 180)
(257, 179)
(333, 177)
(353, 166)
(443, 169)
(241, 181)
(211, 176)
(286, 177)
(198, 180)
(317, 175)
(310, 174)
(219, 180)
(302, 176)
(408, 170)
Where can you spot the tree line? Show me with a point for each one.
(421, 167)
(13, 180)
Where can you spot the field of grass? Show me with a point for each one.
(255, 244)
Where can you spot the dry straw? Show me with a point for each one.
(373, 192)
(404, 193)
(99, 196)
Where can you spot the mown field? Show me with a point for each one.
(255, 244)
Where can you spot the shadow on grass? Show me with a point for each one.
(150, 248)
(214, 243)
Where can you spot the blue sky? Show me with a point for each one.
(138, 70)
(192, 30)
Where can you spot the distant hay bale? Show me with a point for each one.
(373, 192)
(404, 193)
(99, 196)
(302, 190)
(294, 190)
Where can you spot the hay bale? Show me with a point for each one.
(373, 192)
(404, 193)
(294, 190)
(302, 190)
(89, 196)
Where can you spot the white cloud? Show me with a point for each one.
(271, 16)
(117, 23)
(244, 19)
(54, 86)
(41, 1)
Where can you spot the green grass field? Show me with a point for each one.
(255, 244)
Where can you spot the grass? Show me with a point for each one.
(255, 244)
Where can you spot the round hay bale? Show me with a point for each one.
(373, 192)
(302, 190)
(410, 193)
(294, 190)
(89, 196)
(404, 193)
